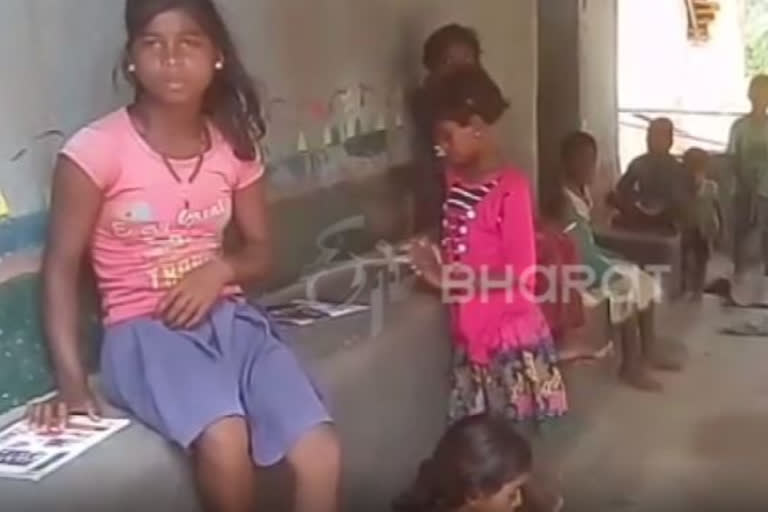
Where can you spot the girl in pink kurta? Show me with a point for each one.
(505, 360)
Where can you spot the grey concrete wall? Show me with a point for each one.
(558, 94)
(57, 59)
(598, 84)
(578, 80)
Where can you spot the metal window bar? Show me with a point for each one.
(647, 115)
(684, 112)
(693, 21)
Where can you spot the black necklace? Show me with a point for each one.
(192, 177)
(204, 142)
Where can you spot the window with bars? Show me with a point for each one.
(701, 15)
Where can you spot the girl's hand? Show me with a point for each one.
(426, 262)
(53, 415)
(187, 303)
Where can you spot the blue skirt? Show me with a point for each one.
(179, 383)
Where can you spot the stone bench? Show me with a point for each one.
(387, 391)
(397, 378)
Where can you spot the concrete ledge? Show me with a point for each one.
(388, 394)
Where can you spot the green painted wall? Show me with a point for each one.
(23, 358)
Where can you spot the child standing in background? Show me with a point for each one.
(505, 360)
(748, 149)
(706, 221)
(449, 48)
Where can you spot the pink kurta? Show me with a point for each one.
(489, 228)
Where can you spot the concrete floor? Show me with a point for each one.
(699, 446)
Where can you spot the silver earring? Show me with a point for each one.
(219, 65)
(131, 68)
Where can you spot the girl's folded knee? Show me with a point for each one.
(318, 447)
(224, 436)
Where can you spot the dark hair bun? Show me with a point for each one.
(465, 93)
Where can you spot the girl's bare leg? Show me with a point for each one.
(223, 467)
(653, 354)
(316, 462)
(634, 371)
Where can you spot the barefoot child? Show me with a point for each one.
(146, 193)
(505, 360)
(630, 291)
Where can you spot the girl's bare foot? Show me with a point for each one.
(641, 379)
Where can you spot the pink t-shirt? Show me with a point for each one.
(153, 229)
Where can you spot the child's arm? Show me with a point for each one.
(186, 304)
(253, 259)
(626, 192)
(720, 219)
(425, 260)
(75, 204)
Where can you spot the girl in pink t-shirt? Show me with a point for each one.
(147, 192)
(505, 359)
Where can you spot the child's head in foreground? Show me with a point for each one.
(479, 465)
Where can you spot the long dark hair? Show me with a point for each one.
(477, 456)
(231, 101)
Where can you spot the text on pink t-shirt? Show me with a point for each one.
(153, 229)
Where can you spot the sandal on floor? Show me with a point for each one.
(588, 356)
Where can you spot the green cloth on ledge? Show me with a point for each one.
(24, 369)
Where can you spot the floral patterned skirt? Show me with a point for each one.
(520, 384)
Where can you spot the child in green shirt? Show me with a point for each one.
(631, 293)
(748, 149)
